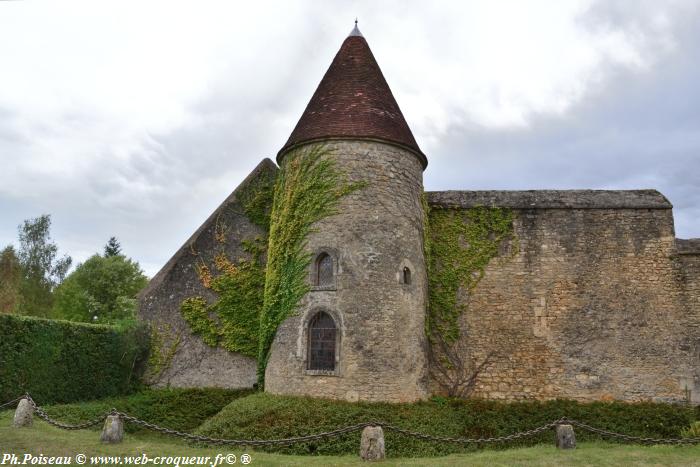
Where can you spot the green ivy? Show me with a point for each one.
(308, 189)
(460, 245)
(256, 198)
(232, 321)
(162, 354)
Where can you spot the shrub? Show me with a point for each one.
(264, 416)
(61, 361)
(693, 431)
(178, 409)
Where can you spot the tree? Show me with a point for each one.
(112, 248)
(10, 280)
(42, 271)
(102, 287)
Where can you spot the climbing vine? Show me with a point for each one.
(308, 189)
(232, 321)
(162, 353)
(256, 198)
(461, 243)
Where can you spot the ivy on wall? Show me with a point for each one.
(244, 320)
(308, 189)
(256, 199)
(232, 321)
(164, 344)
(460, 244)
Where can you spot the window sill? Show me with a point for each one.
(321, 372)
(323, 288)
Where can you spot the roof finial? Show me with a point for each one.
(355, 31)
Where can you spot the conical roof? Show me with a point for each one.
(353, 100)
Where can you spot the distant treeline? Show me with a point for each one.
(35, 281)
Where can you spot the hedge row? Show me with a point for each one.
(178, 409)
(264, 416)
(62, 361)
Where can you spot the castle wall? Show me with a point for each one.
(595, 305)
(377, 232)
(189, 362)
(688, 266)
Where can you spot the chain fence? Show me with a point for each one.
(348, 429)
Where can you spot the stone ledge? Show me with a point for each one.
(551, 199)
(689, 246)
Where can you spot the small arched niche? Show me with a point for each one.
(406, 276)
(405, 273)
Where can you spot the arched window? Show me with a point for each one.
(322, 340)
(406, 276)
(324, 270)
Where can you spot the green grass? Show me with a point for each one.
(179, 409)
(49, 441)
(264, 416)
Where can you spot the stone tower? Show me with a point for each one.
(359, 333)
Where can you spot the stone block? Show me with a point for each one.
(372, 444)
(23, 414)
(566, 439)
(113, 430)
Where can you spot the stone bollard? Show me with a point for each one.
(566, 439)
(113, 430)
(23, 414)
(372, 444)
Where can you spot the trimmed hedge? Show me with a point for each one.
(263, 416)
(63, 361)
(178, 409)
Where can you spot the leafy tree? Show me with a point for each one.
(112, 248)
(10, 280)
(104, 287)
(42, 270)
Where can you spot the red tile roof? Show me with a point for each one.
(353, 100)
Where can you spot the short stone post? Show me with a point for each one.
(113, 430)
(566, 439)
(24, 414)
(372, 444)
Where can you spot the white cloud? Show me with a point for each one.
(136, 118)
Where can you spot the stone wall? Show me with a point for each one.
(596, 304)
(377, 232)
(190, 362)
(688, 266)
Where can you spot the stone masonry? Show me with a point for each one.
(377, 233)
(599, 303)
(593, 298)
(193, 363)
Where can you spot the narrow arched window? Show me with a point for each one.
(324, 270)
(406, 276)
(322, 340)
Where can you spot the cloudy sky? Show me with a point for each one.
(137, 118)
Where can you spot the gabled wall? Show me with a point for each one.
(184, 360)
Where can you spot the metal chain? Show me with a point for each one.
(44, 416)
(348, 429)
(442, 439)
(630, 438)
(12, 402)
(243, 442)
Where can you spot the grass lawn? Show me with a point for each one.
(49, 441)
